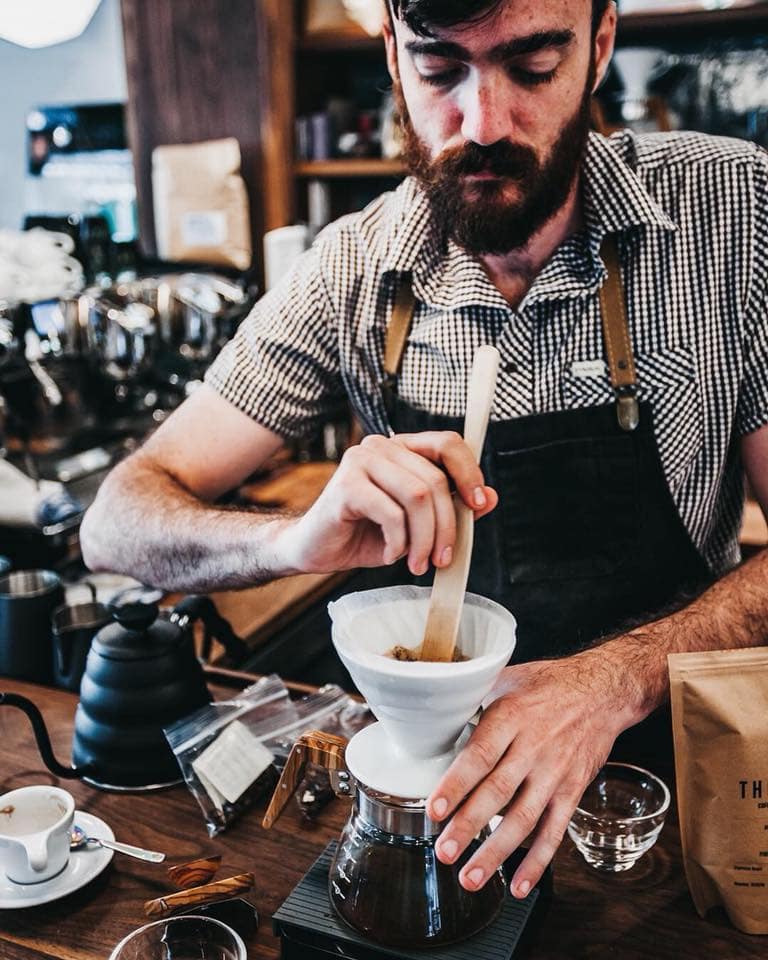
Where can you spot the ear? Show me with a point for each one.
(604, 42)
(390, 45)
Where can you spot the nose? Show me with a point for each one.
(486, 109)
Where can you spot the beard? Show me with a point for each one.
(479, 216)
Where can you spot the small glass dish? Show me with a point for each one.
(182, 938)
(619, 817)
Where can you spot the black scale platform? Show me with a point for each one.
(308, 927)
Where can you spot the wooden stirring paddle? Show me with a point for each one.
(447, 599)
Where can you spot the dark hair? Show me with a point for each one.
(423, 16)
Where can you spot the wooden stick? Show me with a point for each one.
(194, 872)
(208, 893)
(450, 584)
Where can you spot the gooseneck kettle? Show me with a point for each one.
(141, 675)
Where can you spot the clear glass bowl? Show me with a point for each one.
(182, 938)
(619, 817)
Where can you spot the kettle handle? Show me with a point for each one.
(199, 607)
(324, 749)
(42, 738)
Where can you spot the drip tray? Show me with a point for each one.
(308, 926)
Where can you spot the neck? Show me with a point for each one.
(513, 273)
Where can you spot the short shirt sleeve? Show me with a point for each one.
(752, 410)
(282, 366)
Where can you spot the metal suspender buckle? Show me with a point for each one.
(627, 409)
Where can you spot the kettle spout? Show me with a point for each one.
(42, 738)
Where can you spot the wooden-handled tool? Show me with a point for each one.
(450, 584)
(325, 749)
(194, 897)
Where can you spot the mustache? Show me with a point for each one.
(502, 159)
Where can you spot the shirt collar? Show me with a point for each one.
(615, 198)
(443, 275)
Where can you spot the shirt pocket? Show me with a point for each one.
(667, 380)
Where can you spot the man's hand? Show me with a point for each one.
(389, 498)
(533, 753)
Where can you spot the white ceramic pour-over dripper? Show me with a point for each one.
(422, 707)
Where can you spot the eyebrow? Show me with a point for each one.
(520, 46)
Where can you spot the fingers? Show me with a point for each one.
(367, 501)
(534, 812)
(449, 449)
(477, 763)
(387, 500)
(420, 489)
(548, 837)
(489, 773)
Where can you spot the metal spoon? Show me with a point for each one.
(78, 838)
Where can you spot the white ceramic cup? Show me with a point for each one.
(34, 832)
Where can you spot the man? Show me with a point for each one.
(618, 437)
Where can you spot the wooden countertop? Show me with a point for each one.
(646, 913)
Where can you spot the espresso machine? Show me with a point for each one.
(390, 895)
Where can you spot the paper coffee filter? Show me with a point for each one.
(422, 707)
(372, 622)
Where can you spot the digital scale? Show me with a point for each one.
(309, 928)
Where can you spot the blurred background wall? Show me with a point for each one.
(88, 69)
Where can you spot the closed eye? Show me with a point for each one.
(445, 78)
(532, 78)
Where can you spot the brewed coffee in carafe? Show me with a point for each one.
(391, 887)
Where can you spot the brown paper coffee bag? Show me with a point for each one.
(720, 725)
(201, 204)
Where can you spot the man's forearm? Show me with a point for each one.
(732, 613)
(146, 525)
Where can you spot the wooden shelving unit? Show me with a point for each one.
(340, 66)
(344, 168)
(737, 20)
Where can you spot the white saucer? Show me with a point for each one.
(84, 864)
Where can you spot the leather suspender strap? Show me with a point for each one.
(618, 346)
(396, 337)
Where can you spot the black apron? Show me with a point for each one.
(586, 538)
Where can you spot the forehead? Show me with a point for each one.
(511, 19)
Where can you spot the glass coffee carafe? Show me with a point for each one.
(385, 880)
(387, 883)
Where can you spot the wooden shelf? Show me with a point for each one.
(741, 18)
(359, 167)
(339, 43)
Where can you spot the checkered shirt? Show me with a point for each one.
(691, 215)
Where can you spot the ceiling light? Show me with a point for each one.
(41, 23)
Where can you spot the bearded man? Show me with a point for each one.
(623, 281)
